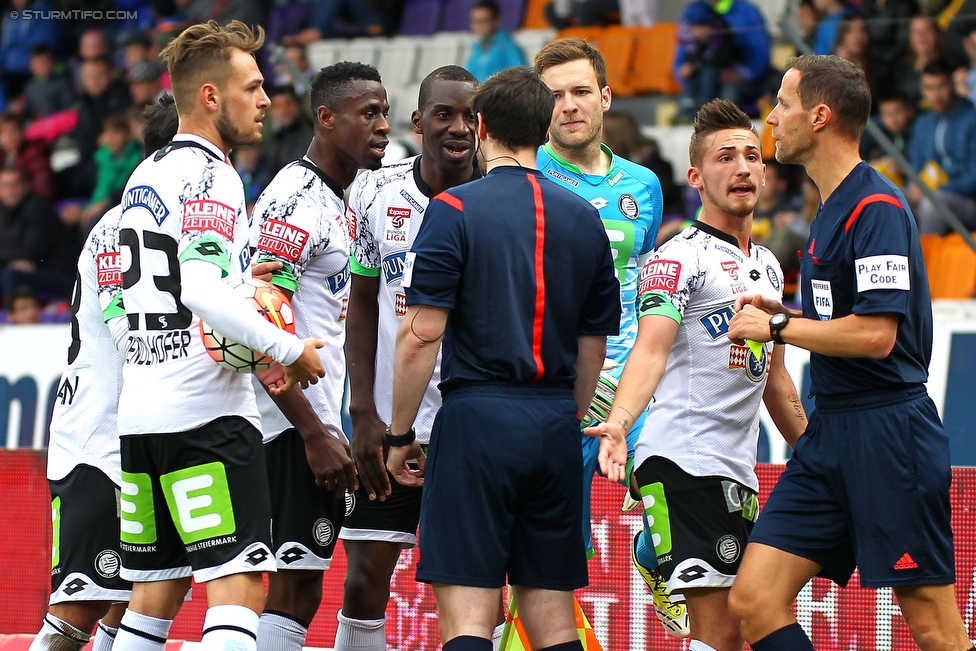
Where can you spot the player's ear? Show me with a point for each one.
(325, 116)
(694, 178)
(822, 115)
(482, 129)
(607, 97)
(417, 122)
(207, 95)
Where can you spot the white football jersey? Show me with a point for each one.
(386, 209)
(705, 412)
(84, 425)
(183, 203)
(303, 226)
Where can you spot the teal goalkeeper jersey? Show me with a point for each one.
(630, 203)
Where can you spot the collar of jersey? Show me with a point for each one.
(422, 184)
(722, 235)
(209, 146)
(330, 182)
(562, 162)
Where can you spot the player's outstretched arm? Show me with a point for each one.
(362, 328)
(642, 373)
(783, 400)
(418, 341)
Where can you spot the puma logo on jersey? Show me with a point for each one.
(716, 322)
(393, 266)
(280, 238)
(209, 215)
(109, 267)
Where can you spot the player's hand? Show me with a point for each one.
(273, 378)
(367, 452)
(331, 463)
(396, 463)
(750, 322)
(306, 370)
(264, 270)
(613, 449)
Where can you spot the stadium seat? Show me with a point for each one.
(535, 17)
(653, 58)
(533, 40)
(420, 17)
(398, 59)
(932, 252)
(616, 43)
(324, 53)
(955, 273)
(445, 48)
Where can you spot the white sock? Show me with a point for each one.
(58, 635)
(230, 628)
(139, 632)
(496, 636)
(279, 633)
(698, 645)
(104, 637)
(360, 634)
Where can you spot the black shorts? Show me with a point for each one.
(85, 539)
(868, 485)
(195, 503)
(305, 517)
(700, 525)
(393, 520)
(503, 491)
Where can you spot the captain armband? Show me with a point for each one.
(657, 304)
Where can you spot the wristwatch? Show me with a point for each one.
(400, 440)
(776, 324)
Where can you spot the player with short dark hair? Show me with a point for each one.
(386, 208)
(83, 454)
(194, 498)
(514, 273)
(696, 456)
(302, 224)
(868, 482)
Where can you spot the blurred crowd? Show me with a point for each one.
(73, 87)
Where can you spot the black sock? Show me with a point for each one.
(788, 638)
(575, 645)
(468, 643)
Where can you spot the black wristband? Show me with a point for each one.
(400, 440)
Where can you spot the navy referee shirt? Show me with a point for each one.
(524, 265)
(864, 257)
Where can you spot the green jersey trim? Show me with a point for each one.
(360, 270)
(284, 278)
(575, 168)
(208, 248)
(657, 304)
(114, 308)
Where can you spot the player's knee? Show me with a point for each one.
(296, 593)
(744, 602)
(81, 614)
(365, 593)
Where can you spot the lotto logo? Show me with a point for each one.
(109, 267)
(209, 215)
(282, 239)
(660, 275)
(397, 216)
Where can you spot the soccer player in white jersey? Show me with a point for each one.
(386, 208)
(303, 226)
(194, 486)
(83, 464)
(696, 454)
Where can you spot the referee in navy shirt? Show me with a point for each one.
(868, 482)
(514, 274)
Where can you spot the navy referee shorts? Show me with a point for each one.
(868, 485)
(503, 492)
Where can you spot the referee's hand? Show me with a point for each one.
(396, 463)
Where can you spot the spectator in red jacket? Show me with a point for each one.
(30, 156)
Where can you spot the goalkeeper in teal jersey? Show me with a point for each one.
(627, 195)
(630, 202)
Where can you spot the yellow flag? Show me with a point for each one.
(515, 639)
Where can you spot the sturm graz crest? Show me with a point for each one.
(323, 532)
(107, 563)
